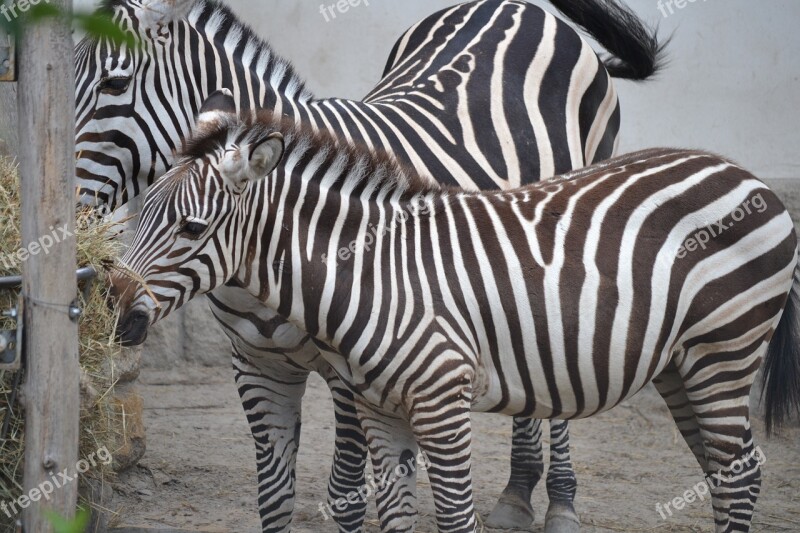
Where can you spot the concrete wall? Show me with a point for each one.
(732, 86)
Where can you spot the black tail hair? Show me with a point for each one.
(781, 378)
(637, 54)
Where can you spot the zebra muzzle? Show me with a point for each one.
(132, 328)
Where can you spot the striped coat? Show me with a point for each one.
(499, 66)
(431, 302)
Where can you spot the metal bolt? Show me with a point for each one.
(75, 312)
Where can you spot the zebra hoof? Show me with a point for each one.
(561, 518)
(511, 512)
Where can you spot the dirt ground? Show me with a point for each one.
(198, 473)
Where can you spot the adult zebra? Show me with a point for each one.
(518, 306)
(557, 110)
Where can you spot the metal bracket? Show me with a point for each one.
(11, 340)
(8, 57)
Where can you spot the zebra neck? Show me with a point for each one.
(242, 62)
(259, 78)
(327, 257)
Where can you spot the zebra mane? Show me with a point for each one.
(226, 22)
(364, 169)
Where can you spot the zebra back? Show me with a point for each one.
(476, 124)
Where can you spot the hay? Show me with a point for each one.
(99, 422)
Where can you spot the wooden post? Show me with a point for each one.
(46, 103)
(8, 95)
(8, 118)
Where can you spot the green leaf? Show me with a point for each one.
(96, 25)
(42, 11)
(75, 525)
(101, 25)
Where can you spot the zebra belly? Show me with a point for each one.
(549, 388)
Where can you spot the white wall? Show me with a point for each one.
(732, 85)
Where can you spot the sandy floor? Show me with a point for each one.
(198, 473)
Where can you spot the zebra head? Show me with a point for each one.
(187, 242)
(120, 88)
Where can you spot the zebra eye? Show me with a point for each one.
(193, 228)
(115, 86)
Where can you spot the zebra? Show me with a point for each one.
(432, 302)
(136, 104)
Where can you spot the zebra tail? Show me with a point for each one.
(636, 52)
(781, 378)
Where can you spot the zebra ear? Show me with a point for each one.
(218, 103)
(153, 14)
(266, 155)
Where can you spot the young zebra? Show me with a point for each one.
(559, 299)
(557, 110)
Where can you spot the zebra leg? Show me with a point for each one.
(733, 473)
(349, 460)
(272, 404)
(513, 509)
(444, 433)
(561, 483)
(393, 450)
(734, 476)
(670, 386)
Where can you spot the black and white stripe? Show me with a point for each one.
(560, 299)
(502, 67)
